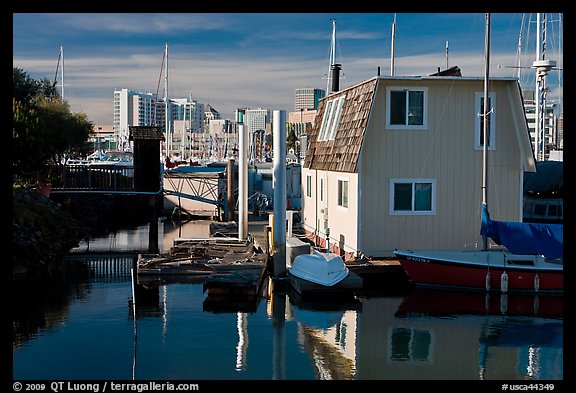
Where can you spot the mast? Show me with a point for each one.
(60, 66)
(332, 59)
(542, 66)
(392, 46)
(538, 124)
(62, 70)
(184, 133)
(166, 105)
(485, 123)
(447, 55)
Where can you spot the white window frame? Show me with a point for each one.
(331, 118)
(479, 109)
(406, 126)
(340, 198)
(413, 212)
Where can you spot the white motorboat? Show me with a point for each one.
(324, 268)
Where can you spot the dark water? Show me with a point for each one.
(82, 327)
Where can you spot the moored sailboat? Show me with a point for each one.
(529, 256)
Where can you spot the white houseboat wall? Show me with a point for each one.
(393, 162)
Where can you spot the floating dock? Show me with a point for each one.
(233, 271)
(200, 256)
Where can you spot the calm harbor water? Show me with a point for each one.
(82, 327)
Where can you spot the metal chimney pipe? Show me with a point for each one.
(336, 77)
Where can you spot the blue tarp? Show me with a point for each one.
(525, 237)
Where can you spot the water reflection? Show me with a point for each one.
(441, 336)
(161, 330)
(509, 333)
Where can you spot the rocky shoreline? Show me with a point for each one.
(45, 230)
(42, 233)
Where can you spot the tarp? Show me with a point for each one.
(525, 237)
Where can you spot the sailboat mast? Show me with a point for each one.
(60, 66)
(62, 70)
(392, 46)
(167, 107)
(184, 133)
(485, 123)
(332, 55)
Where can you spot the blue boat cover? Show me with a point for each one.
(525, 237)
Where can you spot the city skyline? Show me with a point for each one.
(258, 60)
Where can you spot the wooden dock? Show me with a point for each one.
(382, 276)
(235, 272)
(200, 256)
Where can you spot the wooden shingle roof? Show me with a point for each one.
(341, 154)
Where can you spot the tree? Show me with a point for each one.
(25, 89)
(44, 129)
(291, 139)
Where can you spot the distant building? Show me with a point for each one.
(103, 137)
(258, 125)
(553, 128)
(135, 108)
(211, 113)
(308, 98)
(188, 118)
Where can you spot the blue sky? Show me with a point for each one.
(257, 60)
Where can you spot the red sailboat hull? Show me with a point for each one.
(480, 274)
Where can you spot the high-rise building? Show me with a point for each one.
(307, 98)
(136, 108)
(256, 119)
(132, 108)
(551, 136)
(188, 118)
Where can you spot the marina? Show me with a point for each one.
(353, 254)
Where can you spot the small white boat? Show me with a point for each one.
(322, 268)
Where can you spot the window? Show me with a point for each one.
(308, 186)
(321, 189)
(331, 118)
(407, 108)
(479, 122)
(412, 197)
(343, 193)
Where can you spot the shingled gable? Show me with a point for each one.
(341, 154)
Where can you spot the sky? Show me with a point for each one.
(257, 60)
